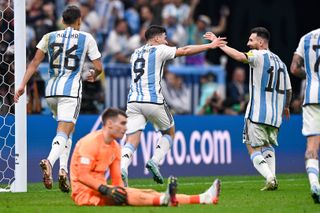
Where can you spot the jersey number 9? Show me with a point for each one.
(138, 68)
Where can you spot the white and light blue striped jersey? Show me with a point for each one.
(67, 50)
(309, 50)
(147, 64)
(269, 80)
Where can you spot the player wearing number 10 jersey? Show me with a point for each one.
(305, 64)
(270, 96)
(145, 100)
(66, 50)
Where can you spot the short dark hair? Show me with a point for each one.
(153, 31)
(112, 113)
(71, 14)
(261, 32)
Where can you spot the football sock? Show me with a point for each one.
(269, 155)
(126, 155)
(65, 155)
(312, 167)
(163, 146)
(261, 165)
(58, 145)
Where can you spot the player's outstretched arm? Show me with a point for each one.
(32, 68)
(233, 53)
(297, 66)
(195, 49)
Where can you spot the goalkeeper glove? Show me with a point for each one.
(117, 193)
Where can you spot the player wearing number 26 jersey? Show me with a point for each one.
(66, 50)
(145, 100)
(270, 95)
(305, 64)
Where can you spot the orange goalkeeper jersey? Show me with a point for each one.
(91, 158)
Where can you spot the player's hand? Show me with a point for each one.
(218, 42)
(286, 112)
(18, 93)
(209, 36)
(117, 193)
(92, 76)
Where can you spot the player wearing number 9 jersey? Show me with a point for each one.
(270, 96)
(305, 64)
(145, 100)
(66, 51)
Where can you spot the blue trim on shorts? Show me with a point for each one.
(316, 134)
(67, 121)
(131, 133)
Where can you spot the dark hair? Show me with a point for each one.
(153, 31)
(112, 113)
(261, 32)
(71, 14)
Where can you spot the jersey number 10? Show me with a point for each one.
(269, 87)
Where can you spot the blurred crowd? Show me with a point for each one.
(119, 26)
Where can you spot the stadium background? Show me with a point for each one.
(287, 21)
(202, 135)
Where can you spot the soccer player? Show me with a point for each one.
(305, 64)
(145, 99)
(99, 152)
(66, 50)
(270, 95)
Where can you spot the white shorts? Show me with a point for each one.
(140, 113)
(65, 108)
(311, 120)
(258, 135)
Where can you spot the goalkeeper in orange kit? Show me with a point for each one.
(99, 151)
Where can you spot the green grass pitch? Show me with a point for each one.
(238, 194)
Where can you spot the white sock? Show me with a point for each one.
(164, 200)
(312, 167)
(163, 146)
(207, 196)
(58, 145)
(269, 155)
(126, 156)
(261, 165)
(64, 158)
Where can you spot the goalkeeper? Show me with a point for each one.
(99, 152)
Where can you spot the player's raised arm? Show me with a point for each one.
(233, 53)
(195, 49)
(32, 68)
